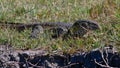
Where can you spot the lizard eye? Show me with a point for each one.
(84, 25)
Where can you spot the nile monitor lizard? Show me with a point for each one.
(66, 30)
(79, 28)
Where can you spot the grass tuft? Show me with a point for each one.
(105, 12)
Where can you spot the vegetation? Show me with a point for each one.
(105, 12)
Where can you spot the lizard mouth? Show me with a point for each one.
(96, 27)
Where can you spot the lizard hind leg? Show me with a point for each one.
(58, 32)
(36, 30)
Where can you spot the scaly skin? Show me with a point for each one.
(58, 29)
(65, 30)
(37, 28)
(79, 28)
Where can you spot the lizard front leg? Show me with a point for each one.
(36, 30)
(58, 32)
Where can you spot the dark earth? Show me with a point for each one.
(106, 57)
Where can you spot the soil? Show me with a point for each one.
(106, 57)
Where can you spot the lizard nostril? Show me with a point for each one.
(95, 27)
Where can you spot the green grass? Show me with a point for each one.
(105, 12)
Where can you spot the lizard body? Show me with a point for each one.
(79, 28)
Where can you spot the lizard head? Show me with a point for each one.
(82, 27)
(87, 24)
